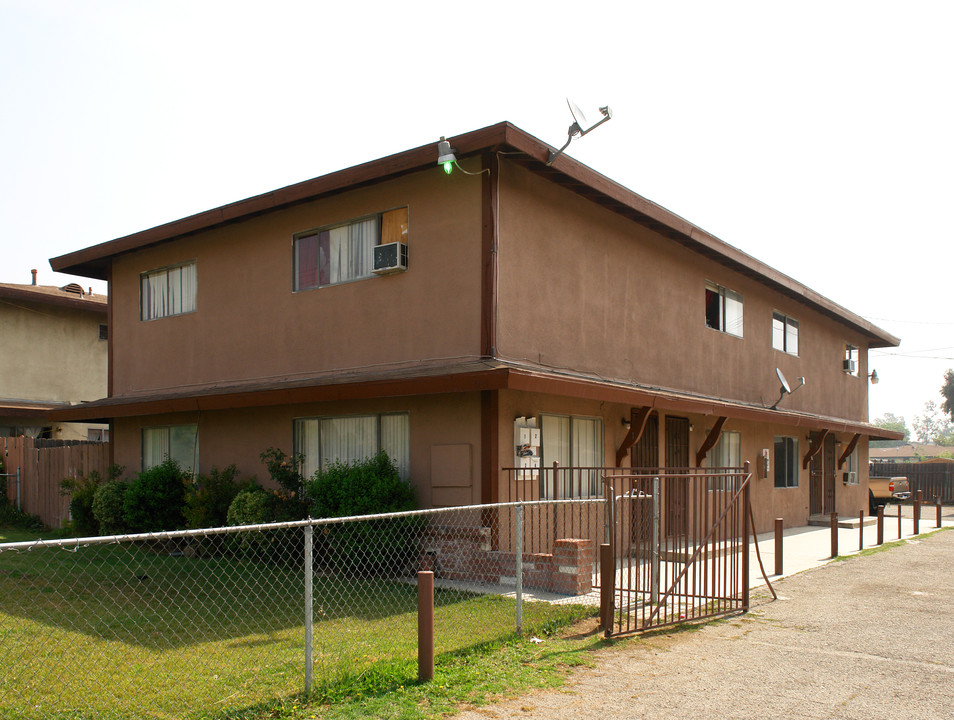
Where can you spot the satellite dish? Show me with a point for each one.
(578, 117)
(786, 388)
(577, 128)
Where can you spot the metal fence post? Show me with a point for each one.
(917, 513)
(654, 580)
(518, 552)
(309, 609)
(779, 524)
(607, 588)
(425, 625)
(834, 535)
(19, 502)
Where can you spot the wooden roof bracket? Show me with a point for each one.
(848, 450)
(638, 420)
(710, 441)
(816, 445)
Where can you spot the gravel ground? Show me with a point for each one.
(870, 637)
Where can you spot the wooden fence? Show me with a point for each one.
(933, 479)
(42, 465)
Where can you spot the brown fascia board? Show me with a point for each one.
(25, 294)
(94, 261)
(495, 378)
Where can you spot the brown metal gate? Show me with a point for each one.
(670, 567)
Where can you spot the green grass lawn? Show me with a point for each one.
(151, 630)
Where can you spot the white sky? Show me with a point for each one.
(815, 136)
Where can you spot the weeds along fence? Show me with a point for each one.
(210, 623)
(34, 469)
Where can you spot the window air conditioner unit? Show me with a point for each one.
(851, 478)
(390, 258)
(849, 366)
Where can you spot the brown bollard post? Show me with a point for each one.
(917, 513)
(607, 589)
(779, 523)
(899, 520)
(861, 529)
(834, 535)
(937, 503)
(425, 625)
(881, 524)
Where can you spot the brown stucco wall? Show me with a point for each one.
(239, 436)
(768, 502)
(581, 287)
(249, 324)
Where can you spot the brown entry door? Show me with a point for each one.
(821, 490)
(677, 489)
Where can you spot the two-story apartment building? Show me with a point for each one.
(52, 354)
(533, 294)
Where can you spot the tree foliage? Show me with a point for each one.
(934, 427)
(890, 421)
(947, 390)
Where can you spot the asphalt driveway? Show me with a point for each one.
(869, 637)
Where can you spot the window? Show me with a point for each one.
(178, 442)
(786, 462)
(104, 332)
(573, 442)
(169, 291)
(97, 434)
(342, 253)
(851, 469)
(727, 453)
(723, 309)
(784, 333)
(850, 365)
(347, 439)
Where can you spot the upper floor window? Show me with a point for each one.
(784, 333)
(723, 309)
(345, 252)
(850, 364)
(167, 291)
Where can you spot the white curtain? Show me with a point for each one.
(307, 444)
(348, 439)
(554, 447)
(168, 292)
(350, 250)
(155, 446)
(395, 441)
(733, 313)
(587, 453)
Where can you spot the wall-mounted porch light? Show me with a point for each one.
(446, 156)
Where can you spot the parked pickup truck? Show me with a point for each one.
(882, 490)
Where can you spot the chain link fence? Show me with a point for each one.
(208, 623)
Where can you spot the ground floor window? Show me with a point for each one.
(576, 443)
(726, 453)
(347, 439)
(786, 462)
(178, 442)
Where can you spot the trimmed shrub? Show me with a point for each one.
(366, 487)
(256, 507)
(208, 497)
(82, 491)
(156, 498)
(107, 507)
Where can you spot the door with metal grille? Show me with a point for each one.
(677, 488)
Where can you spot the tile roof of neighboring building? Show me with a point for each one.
(522, 149)
(74, 297)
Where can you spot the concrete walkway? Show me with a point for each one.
(808, 547)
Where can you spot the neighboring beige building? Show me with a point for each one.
(53, 353)
(532, 294)
(910, 452)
